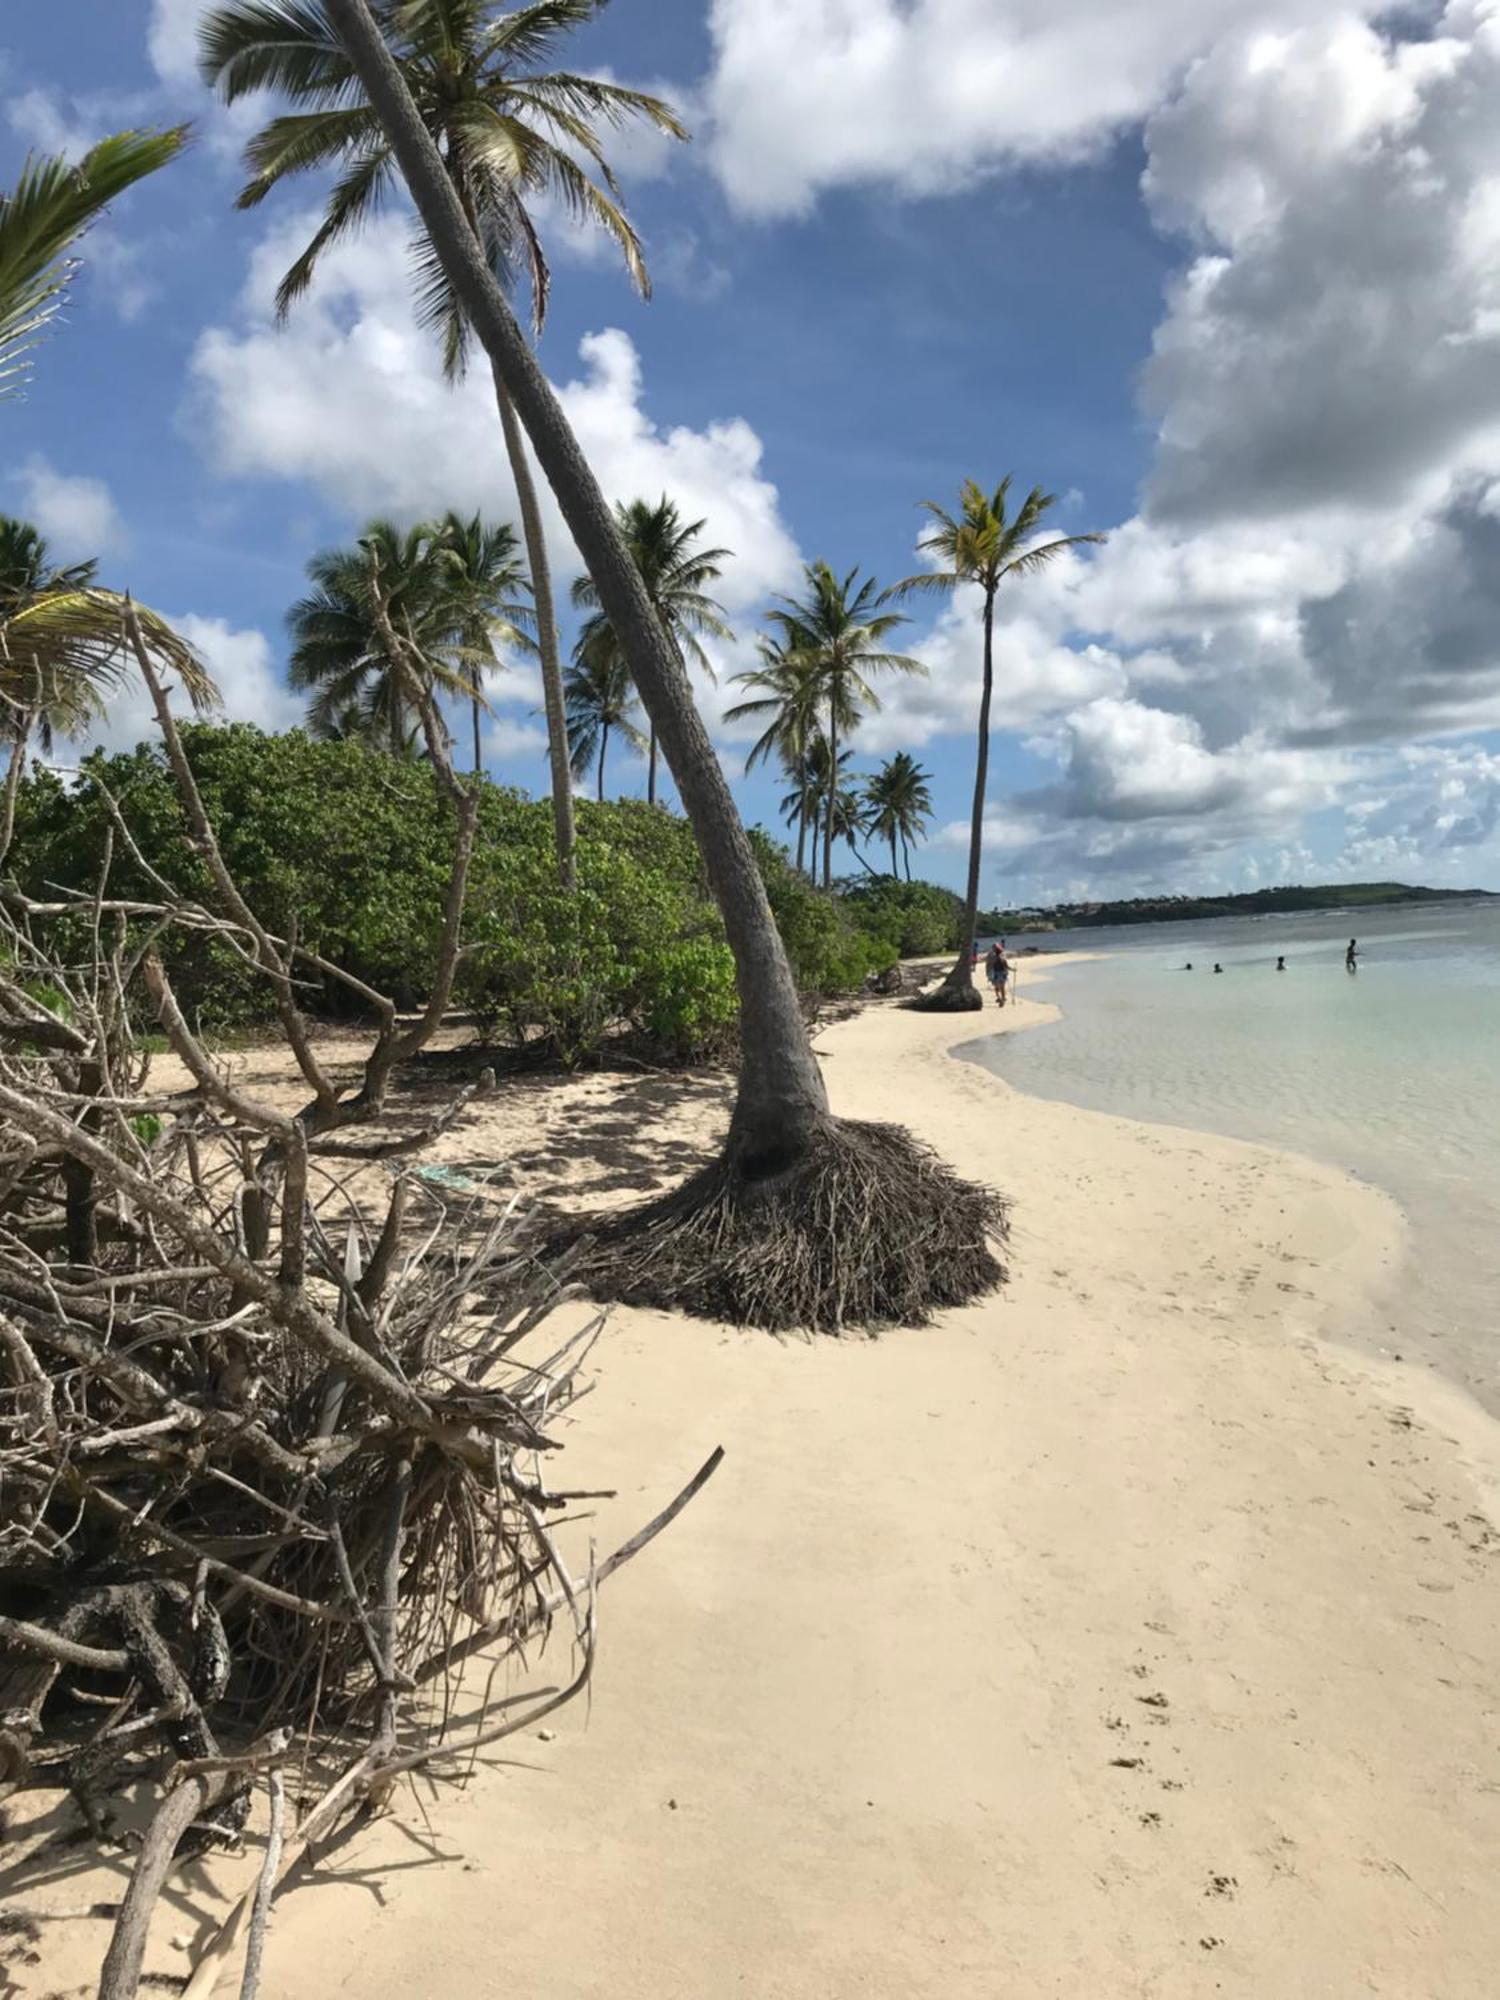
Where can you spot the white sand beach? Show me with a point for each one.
(1115, 1636)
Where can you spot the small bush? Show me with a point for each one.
(917, 919)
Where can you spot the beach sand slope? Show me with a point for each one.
(1112, 1637)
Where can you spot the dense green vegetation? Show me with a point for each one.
(352, 845)
(1182, 909)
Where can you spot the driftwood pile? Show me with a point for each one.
(271, 1469)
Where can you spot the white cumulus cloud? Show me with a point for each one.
(76, 513)
(927, 95)
(349, 395)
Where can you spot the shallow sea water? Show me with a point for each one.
(1392, 1074)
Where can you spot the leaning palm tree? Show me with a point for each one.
(487, 579)
(342, 634)
(788, 699)
(508, 133)
(600, 698)
(837, 626)
(62, 642)
(801, 1220)
(981, 545)
(676, 576)
(43, 216)
(900, 804)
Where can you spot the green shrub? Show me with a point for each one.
(917, 919)
(829, 953)
(631, 945)
(352, 847)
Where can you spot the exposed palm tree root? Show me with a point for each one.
(865, 1229)
(947, 997)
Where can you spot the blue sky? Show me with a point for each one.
(1219, 274)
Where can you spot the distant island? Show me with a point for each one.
(1183, 909)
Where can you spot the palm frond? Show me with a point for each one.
(42, 217)
(285, 45)
(1031, 560)
(302, 141)
(356, 196)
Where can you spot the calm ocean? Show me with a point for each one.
(1393, 1074)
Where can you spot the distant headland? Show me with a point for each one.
(1255, 903)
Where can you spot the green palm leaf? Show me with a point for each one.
(42, 217)
(63, 652)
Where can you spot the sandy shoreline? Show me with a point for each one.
(1112, 1637)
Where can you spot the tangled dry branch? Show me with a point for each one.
(275, 1409)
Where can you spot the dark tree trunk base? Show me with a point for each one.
(948, 997)
(867, 1229)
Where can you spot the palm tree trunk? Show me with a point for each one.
(962, 975)
(802, 818)
(651, 769)
(478, 756)
(603, 753)
(546, 630)
(906, 855)
(782, 1105)
(833, 793)
(895, 862)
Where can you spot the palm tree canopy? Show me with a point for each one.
(787, 698)
(984, 543)
(898, 799)
(601, 697)
(41, 218)
(62, 641)
(676, 573)
(807, 787)
(837, 624)
(483, 568)
(340, 651)
(510, 131)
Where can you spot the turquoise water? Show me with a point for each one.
(1393, 1074)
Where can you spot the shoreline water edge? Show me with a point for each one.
(1117, 1634)
(1367, 1332)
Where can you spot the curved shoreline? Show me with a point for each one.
(1420, 1383)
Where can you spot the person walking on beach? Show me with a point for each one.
(1281, 965)
(1218, 968)
(1351, 956)
(998, 969)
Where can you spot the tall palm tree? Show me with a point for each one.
(341, 645)
(507, 132)
(788, 699)
(62, 642)
(41, 218)
(746, 1237)
(601, 698)
(900, 804)
(836, 624)
(983, 545)
(484, 572)
(676, 576)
